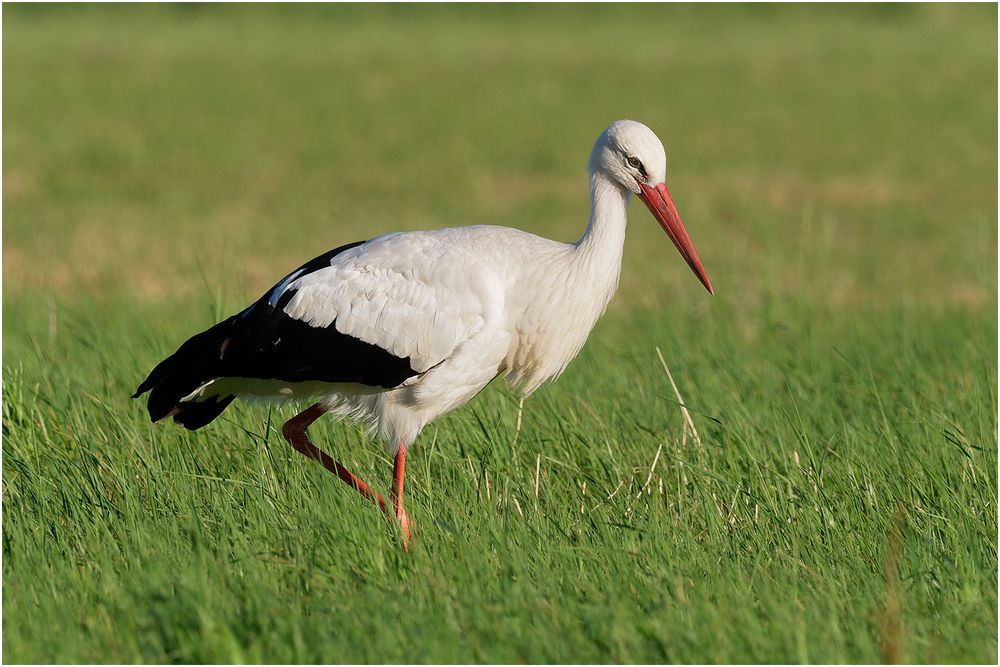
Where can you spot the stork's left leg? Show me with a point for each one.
(398, 471)
(294, 432)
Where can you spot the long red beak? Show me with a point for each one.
(657, 199)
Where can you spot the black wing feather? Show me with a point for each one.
(263, 342)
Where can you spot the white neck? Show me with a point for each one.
(556, 321)
(598, 253)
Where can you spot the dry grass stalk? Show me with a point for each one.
(538, 468)
(652, 469)
(688, 422)
(610, 496)
(517, 426)
(517, 505)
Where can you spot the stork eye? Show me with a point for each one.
(634, 163)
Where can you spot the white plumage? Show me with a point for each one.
(430, 317)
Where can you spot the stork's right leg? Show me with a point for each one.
(294, 432)
(398, 469)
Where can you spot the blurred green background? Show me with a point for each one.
(837, 169)
(140, 141)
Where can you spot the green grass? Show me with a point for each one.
(837, 168)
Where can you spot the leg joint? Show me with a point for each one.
(290, 429)
(298, 424)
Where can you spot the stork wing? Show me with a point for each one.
(375, 313)
(411, 295)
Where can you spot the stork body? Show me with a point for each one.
(398, 330)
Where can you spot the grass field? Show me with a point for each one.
(837, 168)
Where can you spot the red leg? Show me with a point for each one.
(294, 431)
(398, 470)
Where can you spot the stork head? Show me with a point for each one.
(629, 154)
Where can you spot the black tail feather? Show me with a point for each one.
(195, 414)
(197, 361)
(265, 342)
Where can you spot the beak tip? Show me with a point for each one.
(657, 199)
(703, 278)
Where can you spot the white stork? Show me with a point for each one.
(400, 329)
